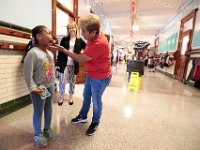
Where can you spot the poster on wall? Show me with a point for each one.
(169, 44)
(196, 35)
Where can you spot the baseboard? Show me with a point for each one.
(166, 73)
(13, 105)
(189, 83)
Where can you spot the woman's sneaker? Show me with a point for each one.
(40, 140)
(92, 128)
(79, 119)
(50, 134)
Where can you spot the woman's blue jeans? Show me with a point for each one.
(94, 89)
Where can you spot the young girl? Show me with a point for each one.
(67, 67)
(39, 71)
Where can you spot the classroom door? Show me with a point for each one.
(181, 62)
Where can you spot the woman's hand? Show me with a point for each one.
(57, 47)
(39, 91)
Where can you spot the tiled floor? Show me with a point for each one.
(163, 115)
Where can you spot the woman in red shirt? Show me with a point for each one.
(98, 72)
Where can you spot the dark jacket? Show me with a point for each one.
(62, 58)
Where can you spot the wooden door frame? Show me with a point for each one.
(56, 4)
(181, 35)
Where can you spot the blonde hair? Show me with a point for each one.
(72, 25)
(91, 22)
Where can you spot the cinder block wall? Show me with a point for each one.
(13, 90)
(11, 75)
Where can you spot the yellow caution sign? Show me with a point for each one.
(123, 61)
(135, 81)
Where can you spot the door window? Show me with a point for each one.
(184, 44)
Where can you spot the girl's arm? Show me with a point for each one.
(28, 68)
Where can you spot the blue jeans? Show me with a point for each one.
(94, 89)
(40, 105)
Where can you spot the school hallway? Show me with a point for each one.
(163, 115)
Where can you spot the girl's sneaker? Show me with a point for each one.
(50, 134)
(40, 140)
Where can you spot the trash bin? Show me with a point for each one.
(135, 66)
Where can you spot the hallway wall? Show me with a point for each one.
(22, 14)
(184, 11)
(27, 13)
(196, 37)
(13, 90)
(11, 77)
(173, 27)
(195, 45)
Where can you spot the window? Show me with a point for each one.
(69, 4)
(62, 19)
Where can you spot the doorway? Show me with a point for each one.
(181, 60)
(184, 45)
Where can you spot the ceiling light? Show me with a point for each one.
(165, 4)
(101, 2)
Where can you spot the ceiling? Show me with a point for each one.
(151, 16)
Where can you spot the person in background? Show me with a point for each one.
(98, 69)
(152, 64)
(112, 58)
(39, 71)
(67, 67)
(145, 56)
(166, 64)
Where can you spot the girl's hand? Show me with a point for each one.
(39, 91)
(57, 68)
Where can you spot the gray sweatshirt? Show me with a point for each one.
(39, 68)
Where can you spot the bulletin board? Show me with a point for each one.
(169, 44)
(196, 35)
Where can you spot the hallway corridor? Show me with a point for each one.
(163, 115)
